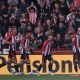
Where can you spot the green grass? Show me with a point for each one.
(42, 77)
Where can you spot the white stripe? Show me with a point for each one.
(46, 50)
(27, 43)
(49, 51)
(13, 42)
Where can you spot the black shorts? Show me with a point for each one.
(12, 54)
(24, 56)
(47, 57)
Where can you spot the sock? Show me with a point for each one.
(79, 64)
(29, 67)
(39, 68)
(50, 67)
(16, 66)
(76, 68)
(3, 64)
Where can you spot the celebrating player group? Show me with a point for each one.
(26, 50)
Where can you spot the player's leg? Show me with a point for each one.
(15, 64)
(50, 62)
(27, 61)
(50, 59)
(75, 64)
(19, 64)
(42, 64)
(22, 58)
(9, 60)
(14, 59)
(79, 60)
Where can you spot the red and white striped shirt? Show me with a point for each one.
(76, 44)
(26, 43)
(46, 48)
(74, 4)
(77, 3)
(11, 38)
(32, 17)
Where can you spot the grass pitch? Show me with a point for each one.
(41, 77)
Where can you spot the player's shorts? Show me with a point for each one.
(76, 56)
(24, 56)
(12, 54)
(47, 57)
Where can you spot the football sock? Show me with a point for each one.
(29, 67)
(16, 66)
(76, 68)
(50, 67)
(39, 68)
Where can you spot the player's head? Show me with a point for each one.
(50, 37)
(79, 31)
(28, 34)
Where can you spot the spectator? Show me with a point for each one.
(32, 13)
(23, 6)
(22, 28)
(13, 1)
(61, 29)
(78, 18)
(67, 41)
(58, 41)
(38, 37)
(3, 10)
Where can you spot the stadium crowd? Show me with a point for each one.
(41, 17)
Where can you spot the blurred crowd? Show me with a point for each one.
(42, 17)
